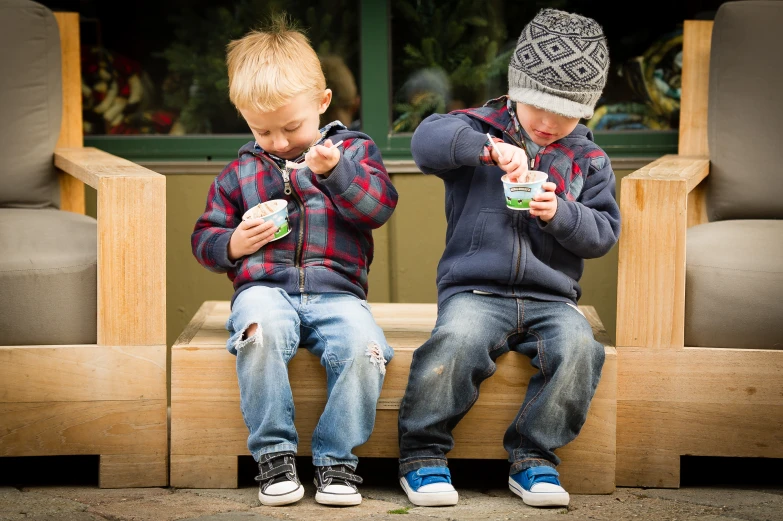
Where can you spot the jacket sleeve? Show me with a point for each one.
(360, 186)
(446, 142)
(210, 237)
(589, 226)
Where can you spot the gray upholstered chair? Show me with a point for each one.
(82, 302)
(700, 289)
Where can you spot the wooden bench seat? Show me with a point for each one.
(208, 432)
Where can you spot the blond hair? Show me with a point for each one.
(266, 68)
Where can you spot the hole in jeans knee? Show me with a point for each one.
(252, 333)
(376, 357)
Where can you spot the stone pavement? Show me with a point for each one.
(383, 503)
(483, 497)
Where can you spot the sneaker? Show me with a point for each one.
(278, 483)
(335, 486)
(539, 487)
(429, 487)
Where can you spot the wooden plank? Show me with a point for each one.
(206, 419)
(697, 38)
(82, 373)
(132, 260)
(194, 471)
(133, 470)
(651, 264)
(695, 401)
(92, 166)
(702, 375)
(196, 323)
(697, 206)
(651, 436)
(70, 428)
(71, 130)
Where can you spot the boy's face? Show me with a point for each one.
(544, 127)
(289, 130)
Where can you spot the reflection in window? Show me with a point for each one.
(451, 54)
(158, 66)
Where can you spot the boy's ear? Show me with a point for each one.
(325, 101)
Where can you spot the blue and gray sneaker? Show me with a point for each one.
(429, 487)
(539, 487)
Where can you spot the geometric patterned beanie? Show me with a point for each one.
(560, 64)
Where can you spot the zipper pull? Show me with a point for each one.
(287, 181)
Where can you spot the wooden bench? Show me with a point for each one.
(208, 432)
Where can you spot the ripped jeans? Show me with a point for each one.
(341, 331)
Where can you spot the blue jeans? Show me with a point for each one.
(471, 332)
(341, 331)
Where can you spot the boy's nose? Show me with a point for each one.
(280, 143)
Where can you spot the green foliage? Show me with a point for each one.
(403, 510)
(197, 81)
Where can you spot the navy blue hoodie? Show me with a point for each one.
(494, 249)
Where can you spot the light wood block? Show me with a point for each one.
(695, 401)
(133, 470)
(206, 421)
(71, 128)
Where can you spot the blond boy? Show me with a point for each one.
(307, 288)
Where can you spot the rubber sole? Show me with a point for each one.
(539, 499)
(429, 499)
(339, 500)
(282, 499)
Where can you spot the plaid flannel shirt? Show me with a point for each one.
(331, 246)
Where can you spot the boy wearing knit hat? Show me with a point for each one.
(508, 280)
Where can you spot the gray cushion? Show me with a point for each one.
(30, 103)
(733, 285)
(48, 277)
(746, 111)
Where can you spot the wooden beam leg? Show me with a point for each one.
(190, 471)
(645, 457)
(133, 470)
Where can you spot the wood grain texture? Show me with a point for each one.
(651, 264)
(206, 420)
(71, 130)
(82, 373)
(95, 427)
(132, 261)
(698, 402)
(204, 471)
(697, 39)
(133, 470)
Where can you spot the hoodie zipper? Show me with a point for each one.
(288, 190)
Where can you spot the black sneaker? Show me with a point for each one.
(278, 483)
(335, 486)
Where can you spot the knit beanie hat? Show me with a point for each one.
(560, 64)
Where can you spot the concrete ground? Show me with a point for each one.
(745, 494)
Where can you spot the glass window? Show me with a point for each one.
(453, 54)
(158, 66)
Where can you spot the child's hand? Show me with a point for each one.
(512, 160)
(544, 205)
(249, 237)
(321, 159)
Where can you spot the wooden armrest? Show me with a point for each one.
(131, 245)
(654, 208)
(91, 165)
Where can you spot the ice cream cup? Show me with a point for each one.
(519, 195)
(276, 211)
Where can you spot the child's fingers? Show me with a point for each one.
(262, 228)
(248, 224)
(328, 143)
(549, 186)
(265, 236)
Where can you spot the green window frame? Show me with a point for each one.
(375, 84)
